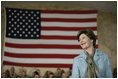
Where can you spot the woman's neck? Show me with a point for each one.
(90, 51)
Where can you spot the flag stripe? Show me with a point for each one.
(9, 54)
(67, 20)
(37, 65)
(42, 51)
(44, 41)
(69, 24)
(59, 37)
(69, 12)
(39, 60)
(62, 33)
(48, 46)
(67, 28)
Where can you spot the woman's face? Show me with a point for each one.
(85, 41)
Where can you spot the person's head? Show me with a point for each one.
(4, 75)
(64, 75)
(12, 69)
(51, 75)
(86, 38)
(36, 76)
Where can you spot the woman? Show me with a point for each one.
(91, 63)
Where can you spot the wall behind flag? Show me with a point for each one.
(106, 21)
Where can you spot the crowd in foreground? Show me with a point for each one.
(60, 73)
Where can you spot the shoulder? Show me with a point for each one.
(101, 54)
(79, 57)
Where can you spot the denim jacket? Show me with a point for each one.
(100, 59)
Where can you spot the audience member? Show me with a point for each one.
(58, 73)
(12, 73)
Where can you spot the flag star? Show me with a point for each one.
(9, 34)
(21, 29)
(34, 26)
(21, 17)
(23, 32)
(26, 17)
(34, 32)
(32, 29)
(37, 29)
(23, 26)
(29, 20)
(12, 19)
(37, 18)
(26, 35)
(17, 31)
(14, 28)
(9, 22)
(26, 11)
(34, 20)
(18, 14)
(20, 11)
(26, 29)
(32, 17)
(31, 35)
(37, 23)
(32, 23)
(12, 25)
(15, 16)
(12, 31)
(9, 16)
(9, 28)
(29, 32)
(20, 35)
(23, 20)
(14, 34)
(26, 23)
(21, 23)
(9, 10)
(18, 19)
(29, 26)
(23, 14)
(37, 35)
(37, 12)
(14, 10)
(12, 13)
(15, 22)
(29, 14)
(34, 14)
(18, 25)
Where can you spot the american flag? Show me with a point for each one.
(45, 38)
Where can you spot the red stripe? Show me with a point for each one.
(48, 46)
(68, 20)
(59, 37)
(40, 55)
(36, 65)
(70, 12)
(67, 28)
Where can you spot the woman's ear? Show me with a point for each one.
(91, 41)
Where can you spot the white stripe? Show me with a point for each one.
(39, 60)
(43, 51)
(40, 41)
(72, 16)
(62, 33)
(69, 24)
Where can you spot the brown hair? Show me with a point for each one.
(89, 33)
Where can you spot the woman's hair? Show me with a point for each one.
(89, 33)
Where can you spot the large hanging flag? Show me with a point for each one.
(45, 38)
